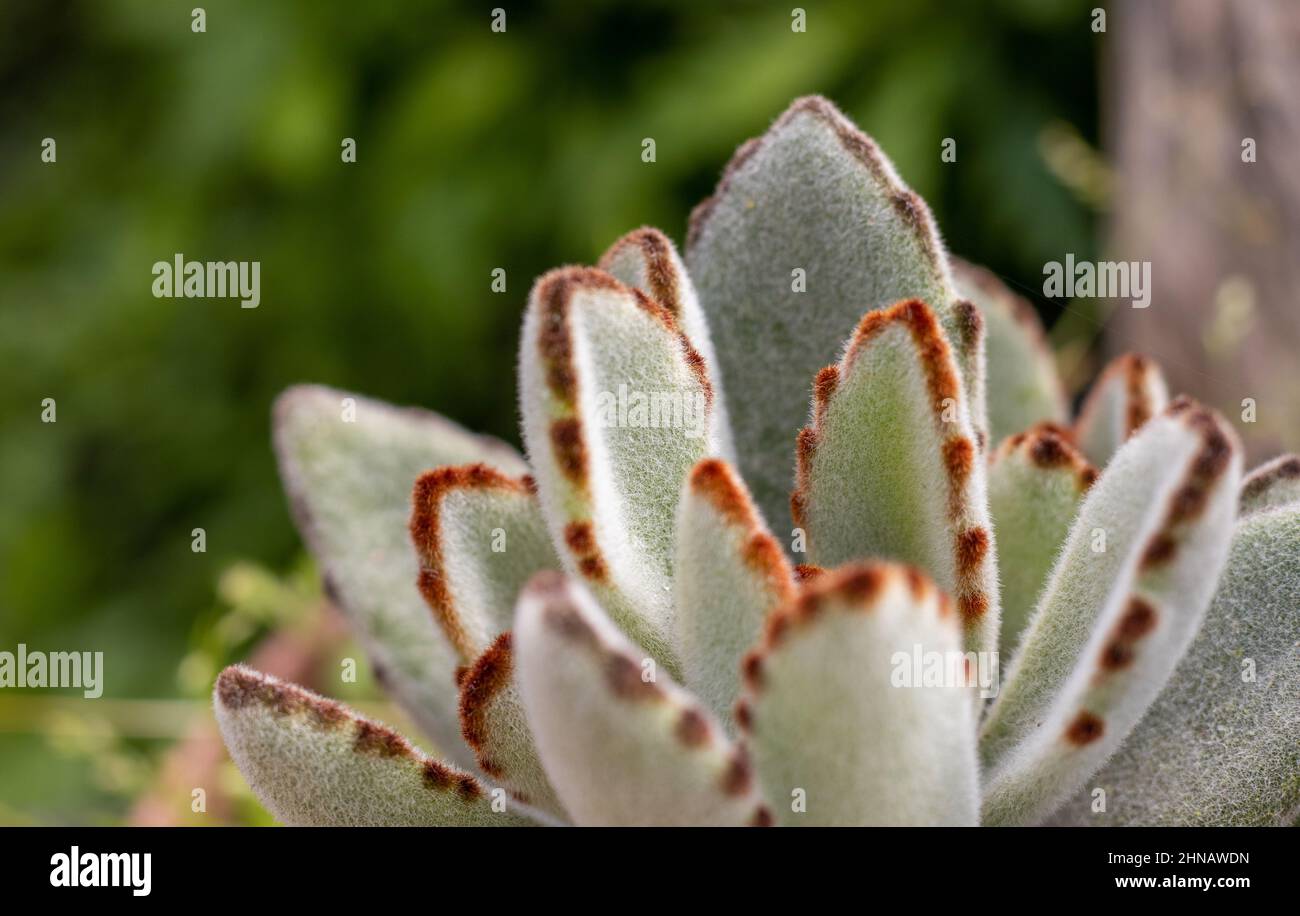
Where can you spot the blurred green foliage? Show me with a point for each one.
(475, 150)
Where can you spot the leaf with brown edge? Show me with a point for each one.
(730, 573)
(1219, 747)
(889, 466)
(314, 762)
(622, 743)
(647, 260)
(1272, 485)
(1021, 378)
(812, 194)
(479, 535)
(834, 718)
(1036, 481)
(347, 464)
(493, 722)
(1112, 624)
(609, 476)
(1128, 393)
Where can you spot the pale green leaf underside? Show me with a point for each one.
(833, 728)
(730, 573)
(1221, 746)
(1023, 387)
(622, 744)
(313, 762)
(609, 489)
(813, 194)
(349, 486)
(1111, 625)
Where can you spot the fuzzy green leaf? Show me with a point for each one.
(622, 743)
(479, 536)
(494, 724)
(1128, 393)
(314, 762)
(890, 466)
(835, 719)
(730, 573)
(816, 195)
(1112, 623)
(647, 260)
(1273, 484)
(616, 413)
(1036, 482)
(348, 464)
(1221, 747)
(1023, 385)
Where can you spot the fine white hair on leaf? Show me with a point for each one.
(1037, 481)
(850, 720)
(890, 466)
(646, 259)
(623, 745)
(1129, 392)
(313, 762)
(495, 725)
(1220, 746)
(1023, 387)
(1271, 485)
(609, 474)
(348, 464)
(1113, 622)
(479, 536)
(729, 575)
(810, 226)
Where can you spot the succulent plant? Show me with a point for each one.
(611, 633)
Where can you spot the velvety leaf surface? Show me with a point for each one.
(1037, 481)
(348, 464)
(479, 535)
(494, 724)
(1113, 623)
(890, 466)
(609, 478)
(313, 762)
(622, 743)
(1274, 483)
(813, 194)
(730, 573)
(834, 719)
(1221, 746)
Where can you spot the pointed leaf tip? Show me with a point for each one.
(808, 228)
(1128, 393)
(314, 762)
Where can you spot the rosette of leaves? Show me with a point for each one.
(654, 621)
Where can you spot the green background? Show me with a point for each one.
(476, 150)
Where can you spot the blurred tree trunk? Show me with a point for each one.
(1188, 82)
